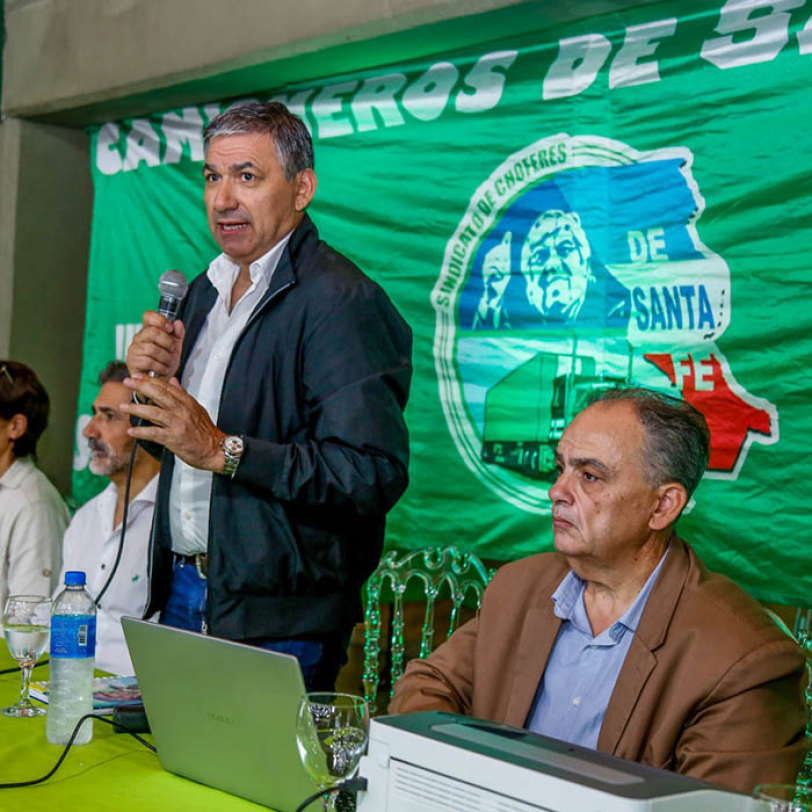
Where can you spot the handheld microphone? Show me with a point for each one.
(172, 286)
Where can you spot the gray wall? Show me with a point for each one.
(51, 242)
(44, 235)
(67, 53)
(9, 161)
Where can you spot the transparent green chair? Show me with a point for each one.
(802, 636)
(435, 567)
(805, 775)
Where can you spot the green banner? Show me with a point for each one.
(624, 199)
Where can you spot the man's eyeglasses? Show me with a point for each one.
(4, 370)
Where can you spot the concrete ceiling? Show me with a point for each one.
(77, 63)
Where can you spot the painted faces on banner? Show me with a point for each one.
(555, 264)
(578, 267)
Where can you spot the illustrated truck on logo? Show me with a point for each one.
(527, 411)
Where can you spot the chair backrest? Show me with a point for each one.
(805, 775)
(804, 640)
(462, 572)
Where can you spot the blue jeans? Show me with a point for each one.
(320, 657)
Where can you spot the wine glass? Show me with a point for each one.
(331, 732)
(782, 798)
(27, 627)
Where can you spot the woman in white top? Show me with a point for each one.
(33, 516)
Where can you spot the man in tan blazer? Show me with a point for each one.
(622, 640)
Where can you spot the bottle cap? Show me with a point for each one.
(75, 578)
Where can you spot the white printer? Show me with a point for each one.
(442, 762)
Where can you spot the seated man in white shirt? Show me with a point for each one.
(33, 516)
(92, 540)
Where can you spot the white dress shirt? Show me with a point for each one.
(203, 378)
(33, 518)
(91, 545)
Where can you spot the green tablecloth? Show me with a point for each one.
(113, 772)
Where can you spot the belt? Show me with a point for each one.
(200, 560)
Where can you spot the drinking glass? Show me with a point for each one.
(27, 627)
(331, 733)
(782, 798)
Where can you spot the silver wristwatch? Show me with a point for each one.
(233, 447)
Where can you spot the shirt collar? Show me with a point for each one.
(223, 270)
(148, 492)
(17, 472)
(569, 595)
(108, 497)
(106, 502)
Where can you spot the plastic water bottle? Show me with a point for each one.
(73, 656)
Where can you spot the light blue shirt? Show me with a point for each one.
(582, 670)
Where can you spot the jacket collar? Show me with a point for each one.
(665, 594)
(197, 318)
(286, 271)
(539, 631)
(650, 635)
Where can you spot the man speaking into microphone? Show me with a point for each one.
(278, 397)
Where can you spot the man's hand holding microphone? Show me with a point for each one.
(173, 418)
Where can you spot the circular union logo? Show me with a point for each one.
(577, 267)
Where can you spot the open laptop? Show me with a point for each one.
(222, 713)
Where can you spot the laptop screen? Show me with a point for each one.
(222, 713)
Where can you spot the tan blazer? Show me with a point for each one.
(710, 687)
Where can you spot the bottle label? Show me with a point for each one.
(73, 636)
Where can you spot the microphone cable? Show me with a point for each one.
(123, 728)
(352, 785)
(15, 668)
(356, 785)
(120, 549)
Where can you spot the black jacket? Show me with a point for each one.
(317, 384)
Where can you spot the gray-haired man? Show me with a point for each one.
(284, 432)
(622, 640)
